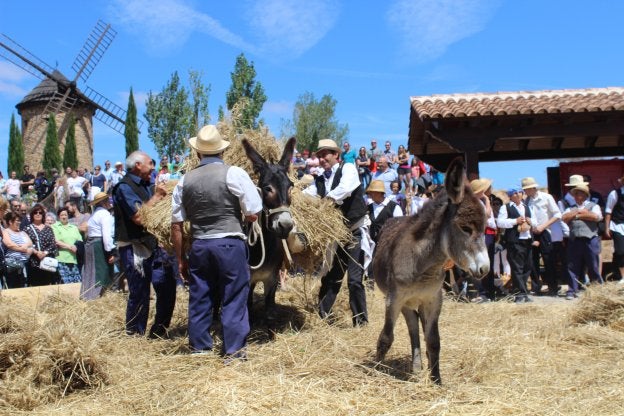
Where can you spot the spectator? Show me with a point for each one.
(44, 245)
(41, 185)
(13, 187)
(98, 183)
(108, 171)
(26, 180)
(397, 196)
(299, 165)
(2, 185)
(117, 174)
(404, 170)
(23, 213)
(76, 185)
(374, 153)
(163, 174)
(389, 154)
(363, 164)
(19, 248)
(66, 235)
(348, 155)
(614, 225)
(385, 174)
(312, 164)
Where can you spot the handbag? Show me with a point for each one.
(49, 264)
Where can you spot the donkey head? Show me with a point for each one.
(466, 243)
(275, 187)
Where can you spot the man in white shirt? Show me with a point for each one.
(546, 230)
(516, 218)
(13, 187)
(614, 225)
(76, 185)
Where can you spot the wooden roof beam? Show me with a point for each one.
(590, 142)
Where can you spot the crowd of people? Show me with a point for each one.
(81, 226)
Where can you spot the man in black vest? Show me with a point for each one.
(614, 225)
(516, 218)
(342, 186)
(139, 253)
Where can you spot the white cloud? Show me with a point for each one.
(10, 79)
(429, 27)
(167, 24)
(279, 108)
(287, 27)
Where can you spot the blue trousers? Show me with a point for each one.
(161, 275)
(583, 253)
(219, 271)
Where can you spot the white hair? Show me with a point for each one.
(134, 157)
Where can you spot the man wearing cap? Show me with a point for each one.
(614, 225)
(482, 189)
(342, 186)
(583, 244)
(547, 234)
(213, 197)
(516, 218)
(139, 252)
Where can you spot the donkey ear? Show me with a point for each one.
(289, 149)
(455, 181)
(256, 160)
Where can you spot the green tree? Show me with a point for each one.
(15, 161)
(131, 130)
(314, 120)
(221, 115)
(70, 155)
(51, 151)
(199, 96)
(169, 116)
(246, 91)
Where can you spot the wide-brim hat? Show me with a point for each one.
(528, 183)
(208, 141)
(118, 163)
(99, 197)
(328, 144)
(480, 185)
(582, 188)
(376, 186)
(576, 180)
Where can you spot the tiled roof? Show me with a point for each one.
(520, 102)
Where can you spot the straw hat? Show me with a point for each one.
(99, 197)
(576, 180)
(528, 182)
(208, 141)
(480, 185)
(118, 163)
(327, 144)
(582, 188)
(376, 186)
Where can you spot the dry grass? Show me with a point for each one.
(557, 357)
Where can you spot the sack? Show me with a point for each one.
(13, 264)
(49, 264)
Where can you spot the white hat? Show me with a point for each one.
(208, 141)
(327, 144)
(576, 180)
(528, 182)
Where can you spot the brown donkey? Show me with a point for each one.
(409, 259)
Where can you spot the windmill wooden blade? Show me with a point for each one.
(60, 103)
(107, 111)
(16, 54)
(97, 43)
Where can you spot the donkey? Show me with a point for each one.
(276, 223)
(409, 260)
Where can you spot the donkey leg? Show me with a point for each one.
(430, 313)
(270, 312)
(411, 319)
(386, 337)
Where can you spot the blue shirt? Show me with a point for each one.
(349, 157)
(126, 199)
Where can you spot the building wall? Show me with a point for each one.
(34, 128)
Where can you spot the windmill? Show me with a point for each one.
(61, 97)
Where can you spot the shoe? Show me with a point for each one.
(569, 296)
(233, 358)
(527, 299)
(552, 293)
(199, 353)
(480, 299)
(519, 299)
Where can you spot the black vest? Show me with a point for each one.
(353, 208)
(125, 228)
(617, 214)
(511, 234)
(376, 223)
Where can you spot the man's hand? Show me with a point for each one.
(160, 190)
(251, 218)
(184, 271)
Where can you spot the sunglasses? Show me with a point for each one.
(37, 213)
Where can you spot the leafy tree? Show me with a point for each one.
(221, 113)
(199, 95)
(16, 149)
(131, 130)
(314, 120)
(169, 116)
(70, 155)
(246, 91)
(51, 151)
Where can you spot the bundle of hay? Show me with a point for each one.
(318, 220)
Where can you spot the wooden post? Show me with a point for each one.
(472, 164)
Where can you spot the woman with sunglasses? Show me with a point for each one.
(44, 245)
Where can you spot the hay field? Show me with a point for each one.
(552, 357)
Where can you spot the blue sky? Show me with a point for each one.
(370, 56)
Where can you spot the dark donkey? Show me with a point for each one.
(410, 256)
(276, 223)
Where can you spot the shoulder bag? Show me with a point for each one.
(49, 264)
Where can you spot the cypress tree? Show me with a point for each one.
(131, 131)
(70, 155)
(51, 152)
(15, 160)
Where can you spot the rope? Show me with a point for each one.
(253, 236)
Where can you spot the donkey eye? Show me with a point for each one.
(267, 189)
(466, 229)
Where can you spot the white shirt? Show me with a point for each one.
(13, 187)
(349, 182)
(611, 201)
(102, 224)
(503, 220)
(543, 208)
(595, 209)
(75, 185)
(377, 208)
(107, 173)
(238, 183)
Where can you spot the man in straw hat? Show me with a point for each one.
(139, 250)
(482, 189)
(583, 244)
(547, 234)
(516, 218)
(614, 225)
(212, 198)
(342, 187)
(100, 249)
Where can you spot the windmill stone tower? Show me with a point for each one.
(35, 124)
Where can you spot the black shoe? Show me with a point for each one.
(527, 299)
(519, 299)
